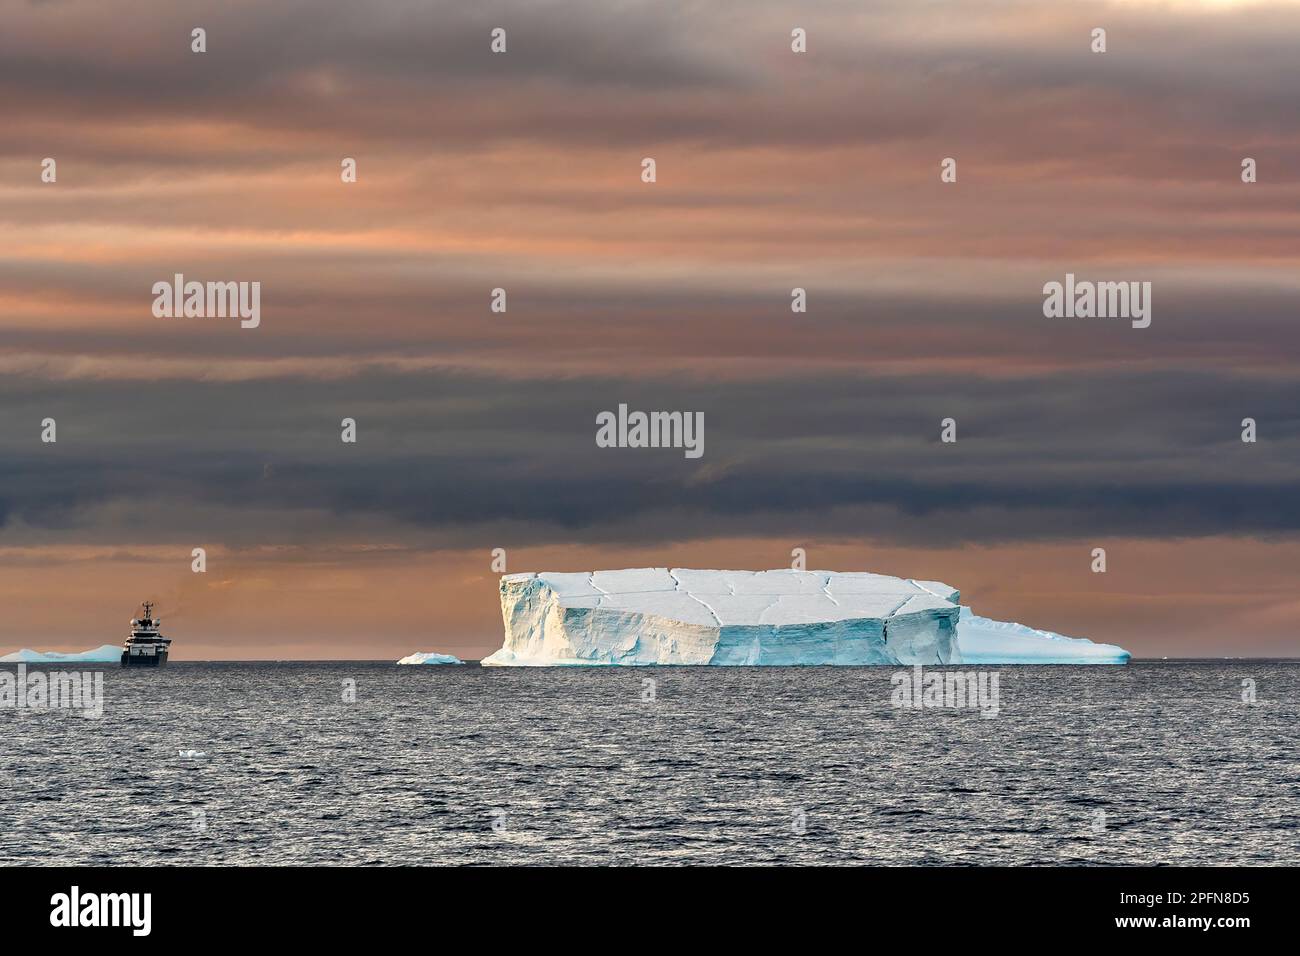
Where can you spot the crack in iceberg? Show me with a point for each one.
(678, 589)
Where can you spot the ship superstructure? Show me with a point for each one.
(145, 647)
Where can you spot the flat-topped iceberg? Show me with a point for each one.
(682, 616)
(782, 617)
(104, 654)
(430, 657)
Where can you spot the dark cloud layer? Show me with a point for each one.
(445, 456)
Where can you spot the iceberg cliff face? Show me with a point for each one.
(682, 616)
(784, 617)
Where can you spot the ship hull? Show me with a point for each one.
(144, 660)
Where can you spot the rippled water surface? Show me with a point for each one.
(1150, 763)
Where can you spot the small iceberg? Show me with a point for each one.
(420, 657)
(104, 654)
(191, 754)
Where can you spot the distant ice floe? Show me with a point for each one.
(104, 654)
(191, 754)
(430, 657)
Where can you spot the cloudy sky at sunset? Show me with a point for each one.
(522, 170)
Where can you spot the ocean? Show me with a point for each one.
(1150, 763)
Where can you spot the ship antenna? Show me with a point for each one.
(148, 608)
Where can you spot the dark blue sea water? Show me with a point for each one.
(1150, 763)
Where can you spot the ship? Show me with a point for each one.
(145, 647)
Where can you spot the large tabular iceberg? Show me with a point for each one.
(783, 617)
(104, 654)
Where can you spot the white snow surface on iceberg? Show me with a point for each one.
(430, 657)
(104, 654)
(983, 641)
(784, 617)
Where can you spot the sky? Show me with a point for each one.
(522, 170)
